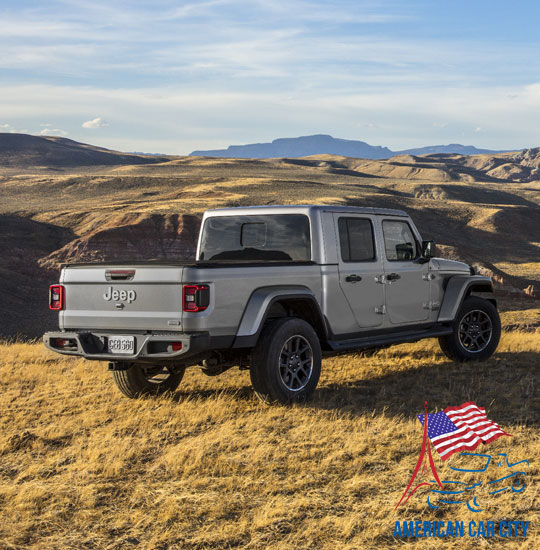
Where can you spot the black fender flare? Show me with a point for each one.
(457, 289)
(259, 305)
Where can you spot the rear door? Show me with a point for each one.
(360, 268)
(407, 282)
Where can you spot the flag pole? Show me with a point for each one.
(420, 459)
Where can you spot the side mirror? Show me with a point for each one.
(428, 249)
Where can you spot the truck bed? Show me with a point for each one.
(187, 263)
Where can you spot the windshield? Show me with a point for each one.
(276, 237)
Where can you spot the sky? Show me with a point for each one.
(171, 77)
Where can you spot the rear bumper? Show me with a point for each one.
(148, 347)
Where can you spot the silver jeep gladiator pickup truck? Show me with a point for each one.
(273, 289)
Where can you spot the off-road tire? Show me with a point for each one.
(272, 377)
(460, 345)
(136, 380)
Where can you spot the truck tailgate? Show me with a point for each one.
(147, 297)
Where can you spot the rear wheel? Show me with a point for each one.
(286, 362)
(476, 331)
(138, 380)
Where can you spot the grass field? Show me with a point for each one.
(82, 467)
(210, 467)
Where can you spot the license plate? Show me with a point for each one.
(121, 344)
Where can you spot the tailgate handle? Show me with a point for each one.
(119, 274)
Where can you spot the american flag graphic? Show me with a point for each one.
(460, 428)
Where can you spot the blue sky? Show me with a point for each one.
(172, 77)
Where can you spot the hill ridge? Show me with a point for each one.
(53, 151)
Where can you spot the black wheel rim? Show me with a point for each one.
(156, 375)
(296, 363)
(475, 331)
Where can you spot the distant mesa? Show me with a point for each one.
(319, 144)
(18, 150)
(322, 144)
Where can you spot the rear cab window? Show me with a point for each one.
(255, 238)
(356, 239)
(400, 244)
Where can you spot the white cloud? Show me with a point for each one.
(219, 42)
(53, 132)
(10, 129)
(95, 123)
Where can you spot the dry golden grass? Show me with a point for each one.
(529, 270)
(81, 467)
(518, 314)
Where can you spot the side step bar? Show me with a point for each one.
(375, 341)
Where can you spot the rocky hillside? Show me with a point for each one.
(23, 300)
(523, 166)
(142, 237)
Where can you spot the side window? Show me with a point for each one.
(356, 239)
(399, 241)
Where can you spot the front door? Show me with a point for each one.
(406, 279)
(359, 267)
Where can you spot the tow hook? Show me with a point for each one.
(118, 365)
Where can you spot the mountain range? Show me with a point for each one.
(59, 152)
(322, 144)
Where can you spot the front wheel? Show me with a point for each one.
(138, 380)
(476, 331)
(286, 362)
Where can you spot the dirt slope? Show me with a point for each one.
(151, 236)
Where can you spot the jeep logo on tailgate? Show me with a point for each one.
(120, 295)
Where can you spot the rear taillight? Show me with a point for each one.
(64, 343)
(195, 297)
(56, 297)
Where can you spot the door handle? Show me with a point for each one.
(393, 277)
(353, 278)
